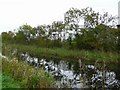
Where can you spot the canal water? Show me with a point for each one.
(77, 74)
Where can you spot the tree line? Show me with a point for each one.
(98, 32)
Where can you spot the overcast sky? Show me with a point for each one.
(14, 13)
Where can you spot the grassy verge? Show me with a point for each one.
(9, 82)
(27, 76)
(66, 54)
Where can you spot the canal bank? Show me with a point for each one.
(61, 53)
(26, 76)
(70, 72)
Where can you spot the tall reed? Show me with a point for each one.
(28, 76)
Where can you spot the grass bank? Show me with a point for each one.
(27, 76)
(9, 82)
(66, 54)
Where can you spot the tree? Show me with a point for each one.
(72, 19)
(57, 27)
(20, 38)
(41, 29)
(7, 37)
(28, 31)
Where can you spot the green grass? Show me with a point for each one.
(0, 80)
(9, 82)
(26, 75)
(66, 54)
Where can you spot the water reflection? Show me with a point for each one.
(76, 74)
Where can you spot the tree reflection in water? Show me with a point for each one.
(77, 74)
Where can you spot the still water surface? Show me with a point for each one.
(77, 74)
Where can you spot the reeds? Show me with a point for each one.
(66, 54)
(28, 76)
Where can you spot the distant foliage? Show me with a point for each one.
(98, 32)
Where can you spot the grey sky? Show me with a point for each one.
(14, 13)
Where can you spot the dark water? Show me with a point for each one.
(77, 74)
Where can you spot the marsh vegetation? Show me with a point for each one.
(64, 54)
